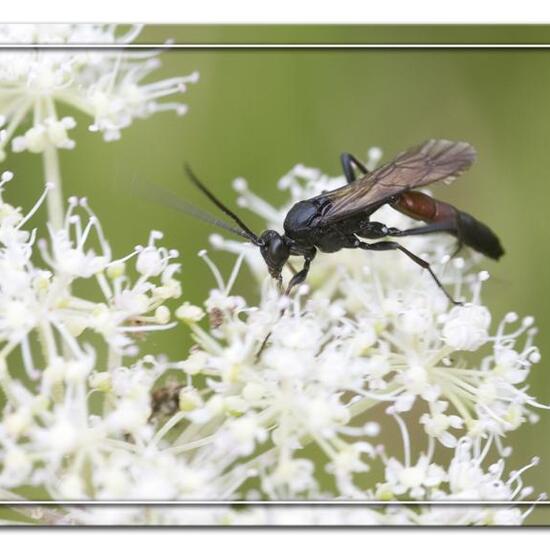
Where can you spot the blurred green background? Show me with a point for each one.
(257, 113)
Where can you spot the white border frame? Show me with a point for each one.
(273, 46)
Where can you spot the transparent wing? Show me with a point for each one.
(433, 161)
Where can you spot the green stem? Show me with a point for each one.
(6, 381)
(50, 162)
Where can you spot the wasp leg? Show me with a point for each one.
(451, 226)
(439, 216)
(280, 283)
(390, 245)
(262, 346)
(348, 161)
(300, 277)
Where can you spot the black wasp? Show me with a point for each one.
(337, 219)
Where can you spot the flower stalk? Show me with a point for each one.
(52, 173)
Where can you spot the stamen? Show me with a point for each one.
(404, 436)
(148, 328)
(5, 177)
(131, 34)
(213, 268)
(542, 496)
(124, 259)
(481, 454)
(84, 234)
(28, 362)
(69, 339)
(234, 273)
(104, 243)
(49, 186)
(517, 474)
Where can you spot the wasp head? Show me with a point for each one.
(275, 252)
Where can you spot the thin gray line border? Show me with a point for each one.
(276, 46)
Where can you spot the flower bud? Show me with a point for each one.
(189, 313)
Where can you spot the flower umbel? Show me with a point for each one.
(281, 397)
(111, 87)
(107, 85)
(275, 399)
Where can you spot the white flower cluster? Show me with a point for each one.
(403, 340)
(49, 371)
(288, 398)
(282, 400)
(107, 85)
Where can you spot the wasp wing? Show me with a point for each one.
(434, 160)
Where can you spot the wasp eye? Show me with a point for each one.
(275, 251)
(278, 250)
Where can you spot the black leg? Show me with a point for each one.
(262, 346)
(390, 245)
(297, 279)
(348, 161)
(279, 283)
(377, 230)
(447, 226)
(300, 277)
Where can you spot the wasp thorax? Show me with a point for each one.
(275, 251)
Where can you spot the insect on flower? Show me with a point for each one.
(336, 219)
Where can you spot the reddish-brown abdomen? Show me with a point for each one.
(460, 224)
(423, 207)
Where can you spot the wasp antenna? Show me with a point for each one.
(195, 180)
(167, 198)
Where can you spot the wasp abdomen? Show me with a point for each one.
(465, 227)
(478, 236)
(422, 207)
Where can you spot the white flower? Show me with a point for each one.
(413, 479)
(189, 312)
(466, 328)
(32, 299)
(279, 398)
(242, 434)
(68, 257)
(295, 475)
(437, 424)
(17, 466)
(105, 85)
(396, 341)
